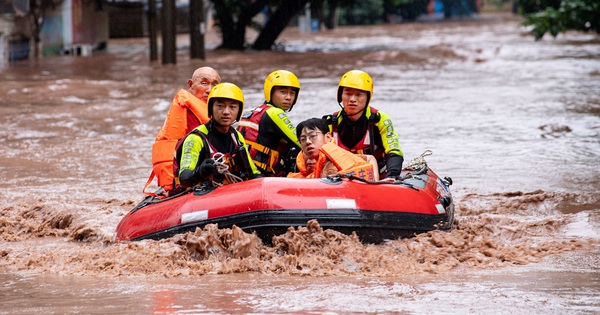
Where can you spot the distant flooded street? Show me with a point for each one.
(514, 122)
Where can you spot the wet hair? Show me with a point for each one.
(312, 124)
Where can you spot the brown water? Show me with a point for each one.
(514, 122)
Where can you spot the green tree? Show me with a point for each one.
(278, 21)
(408, 10)
(361, 13)
(559, 16)
(233, 16)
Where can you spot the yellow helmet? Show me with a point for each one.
(281, 78)
(356, 79)
(229, 91)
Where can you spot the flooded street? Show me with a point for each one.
(515, 123)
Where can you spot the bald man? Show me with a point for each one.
(202, 81)
(188, 110)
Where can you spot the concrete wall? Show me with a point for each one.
(76, 27)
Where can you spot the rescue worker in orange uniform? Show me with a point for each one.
(187, 111)
(216, 140)
(267, 129)
(362, 129)
(321, 157)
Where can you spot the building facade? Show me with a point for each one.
(75, 27)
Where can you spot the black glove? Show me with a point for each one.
(208, 167)
(393, 165)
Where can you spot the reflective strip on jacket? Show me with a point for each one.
(193, 147)
(382, 143)
(269, 134)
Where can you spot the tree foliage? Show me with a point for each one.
(278, 21)
(233, 16)
(559, 16)
(408, 10)
(361, 12)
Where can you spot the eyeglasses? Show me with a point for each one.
(312, 137)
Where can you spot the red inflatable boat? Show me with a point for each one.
(268, 206)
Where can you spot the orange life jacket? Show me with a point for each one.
(174, 128)
(346, 162)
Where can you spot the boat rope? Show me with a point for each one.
(338, 177)
(223, 168)
(415, 167)
(419, 162)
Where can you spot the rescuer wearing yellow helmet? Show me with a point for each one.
(216, 139)
(362, 129)
(268, 131)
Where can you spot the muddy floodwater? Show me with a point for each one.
(514, 122)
